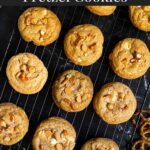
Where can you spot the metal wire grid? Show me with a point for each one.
(40, 106)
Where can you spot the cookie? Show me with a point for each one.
(39, 25)
(72, 91)
(115, 103)
(100, 144)
(140, 17)
(101, 10)
(83, 44)
(14, 124)
(130, 58)
(26, 73)
(54, 134)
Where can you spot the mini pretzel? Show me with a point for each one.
(141, 144)
(144, 125)
(145, 129)
(143, 118)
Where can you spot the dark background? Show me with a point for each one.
(40, 106)
(73, 2)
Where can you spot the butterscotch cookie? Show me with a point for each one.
(101, 10)
(54, 134)
(39, 25)
(14, 124)
(140, 17)
(83, 44)
(100, 144)
(72, 91)
(26, 73)
(115, 103)
(130, 58)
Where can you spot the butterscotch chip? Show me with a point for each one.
(72, 91)
(83, 44)
(26, 73)
(62, 135)
(101, 10)
(115, 109)
(14, 124)
(100, 144)
(39, 25)
(130, 58)
(140, 17)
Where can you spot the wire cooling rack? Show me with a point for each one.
(40, 106)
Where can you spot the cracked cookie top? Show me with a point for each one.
(14, 124)
(101, 10)
(54, 134)
(140, 17)
(130, 58)
(72, 91)
(83, 44)
(100, 144)
(26, 73)
(39, 25)
(115, 103)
